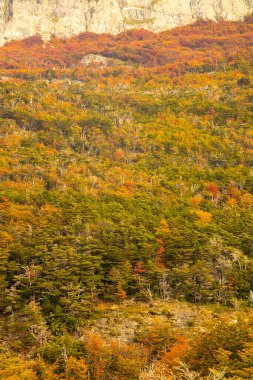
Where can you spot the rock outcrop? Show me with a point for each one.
(23, 18)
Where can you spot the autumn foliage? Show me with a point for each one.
(126, 205)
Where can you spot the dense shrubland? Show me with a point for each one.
(129, 181)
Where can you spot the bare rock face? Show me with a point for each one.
(23, 18)
(94, 59)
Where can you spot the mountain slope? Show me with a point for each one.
(23, 18)
(126, 205)
(126, 170)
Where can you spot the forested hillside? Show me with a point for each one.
(126, 184)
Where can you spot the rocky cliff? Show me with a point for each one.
(23, 18)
